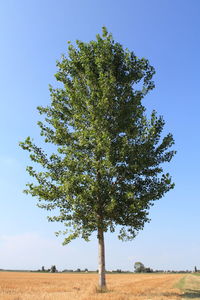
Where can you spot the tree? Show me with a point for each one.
(148, 270)
(139, 267)
(53, 269)
(78, 270)
(106, 169)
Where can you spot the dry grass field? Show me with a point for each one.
(41, 286)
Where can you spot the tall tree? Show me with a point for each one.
(106, 170)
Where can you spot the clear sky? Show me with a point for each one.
(33, 36)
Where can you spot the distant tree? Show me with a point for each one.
(53, 269)
(68, 270)
(106, 169)
(195, 269)
(148, 270)
(139, 267)
(43, 269)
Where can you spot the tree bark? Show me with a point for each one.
(102, 273)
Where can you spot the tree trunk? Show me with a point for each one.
(102, 275)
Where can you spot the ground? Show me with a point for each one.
(44, 286)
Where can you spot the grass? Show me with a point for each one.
(190, 285)
(181, 284)
(37, 286)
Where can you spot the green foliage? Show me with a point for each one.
(107, 167)
(139, 267)
(53, 269)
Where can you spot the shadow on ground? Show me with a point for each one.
(191, 294)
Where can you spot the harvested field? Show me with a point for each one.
(41, 286)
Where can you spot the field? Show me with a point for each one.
(41, 286)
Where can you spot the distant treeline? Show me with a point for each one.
(53, 269)
(140, 268)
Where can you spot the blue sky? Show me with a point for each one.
(34, 34)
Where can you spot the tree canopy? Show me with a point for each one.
(139, 267)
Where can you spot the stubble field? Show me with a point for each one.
(41, 286)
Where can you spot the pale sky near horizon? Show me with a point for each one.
(34, 34)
